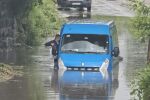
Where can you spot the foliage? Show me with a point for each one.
(141, 85)
(141, 29)
(141, 22)
(36, 19)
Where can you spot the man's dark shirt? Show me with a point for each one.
(54, 46)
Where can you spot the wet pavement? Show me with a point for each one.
(101, 7)
(111, 8)
(41, 82)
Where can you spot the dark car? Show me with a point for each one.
(75, 4)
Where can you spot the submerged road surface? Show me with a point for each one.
(102, 7)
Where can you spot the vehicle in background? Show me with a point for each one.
(75, 4)
(88, 45)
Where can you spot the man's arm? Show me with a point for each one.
(50, 43)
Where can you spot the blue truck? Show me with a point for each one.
(88, 45)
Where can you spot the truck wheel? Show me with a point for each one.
(89, 9)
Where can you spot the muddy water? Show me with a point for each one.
(41, 82)
(111, 8)
(26, 87)
(101, 7)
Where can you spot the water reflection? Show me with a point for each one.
(17, 56)
(26, 87)
(22, 88)
(84, 85)
(75, 14)
(54, 81)
(7, 55)
(79, 15)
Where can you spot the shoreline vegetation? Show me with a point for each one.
(27, 22)
(7, 72)
(141, 29)
(141, 84)
(34, 20)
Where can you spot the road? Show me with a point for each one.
(104, 8)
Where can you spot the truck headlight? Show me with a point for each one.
(61, 64)
(104, 65)
(103, 68)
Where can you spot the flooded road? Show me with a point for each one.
(101, 7)
(111, 8)
(41, 82)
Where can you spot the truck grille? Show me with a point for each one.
(83, 68)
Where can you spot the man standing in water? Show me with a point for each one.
(55, 45)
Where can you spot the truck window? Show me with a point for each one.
(85, 43)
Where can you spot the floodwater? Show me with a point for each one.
(101, 7)
(41, 82)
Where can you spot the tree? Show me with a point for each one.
(141, 22)
(141, 29)
(35, 19)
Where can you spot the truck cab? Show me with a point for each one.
(87, 45)
(75, 4)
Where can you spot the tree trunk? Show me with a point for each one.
(148, 53)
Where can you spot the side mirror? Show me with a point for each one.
(115, 52)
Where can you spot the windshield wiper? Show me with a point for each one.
(69, 50)
(91, 52)
(76, 51)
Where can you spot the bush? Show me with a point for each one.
(141, 22)
(37, 19)
(141, 85)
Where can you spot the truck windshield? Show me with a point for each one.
(85, 43)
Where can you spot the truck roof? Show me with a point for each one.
(102, 28)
